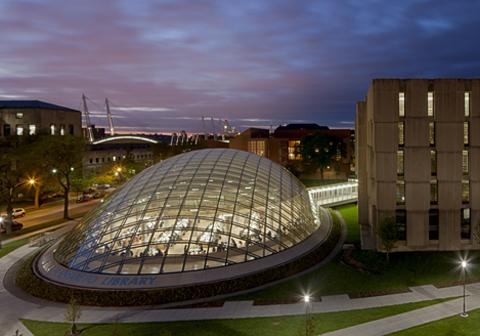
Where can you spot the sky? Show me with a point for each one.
(165, 64)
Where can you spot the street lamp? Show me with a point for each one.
(31, 181)
(306, 300)
(54, 171)
(464, 265)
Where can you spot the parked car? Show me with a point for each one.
(98, 194)
(18, 212)
(84, 198)
(15, 225)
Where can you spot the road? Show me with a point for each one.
(36, 217)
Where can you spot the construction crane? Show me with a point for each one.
(109, 117)
(88, 124)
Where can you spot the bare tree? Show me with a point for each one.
(72, 315)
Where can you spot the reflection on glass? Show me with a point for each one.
(198, 210)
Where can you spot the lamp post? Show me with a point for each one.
(464, 265)
(306, 300)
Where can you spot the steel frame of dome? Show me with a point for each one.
(196, 212)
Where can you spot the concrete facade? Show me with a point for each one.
(420, 163)
(24, 117)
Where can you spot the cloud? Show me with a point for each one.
(142, 109)
(252, 62)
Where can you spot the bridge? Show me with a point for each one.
(334, 194)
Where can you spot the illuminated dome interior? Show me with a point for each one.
(195, 211)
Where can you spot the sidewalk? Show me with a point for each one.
(413, 318)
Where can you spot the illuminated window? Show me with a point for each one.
(431, 133)
(293, 153)
(257, 147)
(52, 129)
(400, 195)
(401, 104)
(401, 133)
(114, 158)
(19, 130)
(433, 192)
(467, 104)
(465, 167)
(465, 191)
(430, 104)
(62, 129)
(465, 133)
(19, 115)
(433, 162)
(32, 129)
(400, 162)
(466, 226)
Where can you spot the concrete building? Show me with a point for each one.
(28, 117)
(418, 160)
(281, 145)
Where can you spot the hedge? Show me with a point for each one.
(29, 282)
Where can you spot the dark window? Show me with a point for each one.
(401, 220)
(91, 160)
(70, 129)
(96, 160)
(433, 224)
(7, 130)
(466, 227)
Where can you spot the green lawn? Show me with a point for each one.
(265, 326)
(350, 213)
(7, 248)
(453, 326)
(406, 269)
(403, 271)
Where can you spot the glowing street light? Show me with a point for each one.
(306, 300)
(31, 181)
(464, 265)
(54, 171)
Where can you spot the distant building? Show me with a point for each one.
(281, 146)
(112, 150)
(418, 160)
(29, 117)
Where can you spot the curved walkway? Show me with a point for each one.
(14, 308)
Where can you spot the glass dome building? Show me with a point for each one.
(196, 212)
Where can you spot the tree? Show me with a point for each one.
(320, 150)
(62, 157)
(388, 234)
(72, 315)
(12, 172)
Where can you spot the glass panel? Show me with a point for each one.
(467, 104)
(201, 209)
(401, 104)
(401, 133)
(430, 104)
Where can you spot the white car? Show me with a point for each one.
(17, 212)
